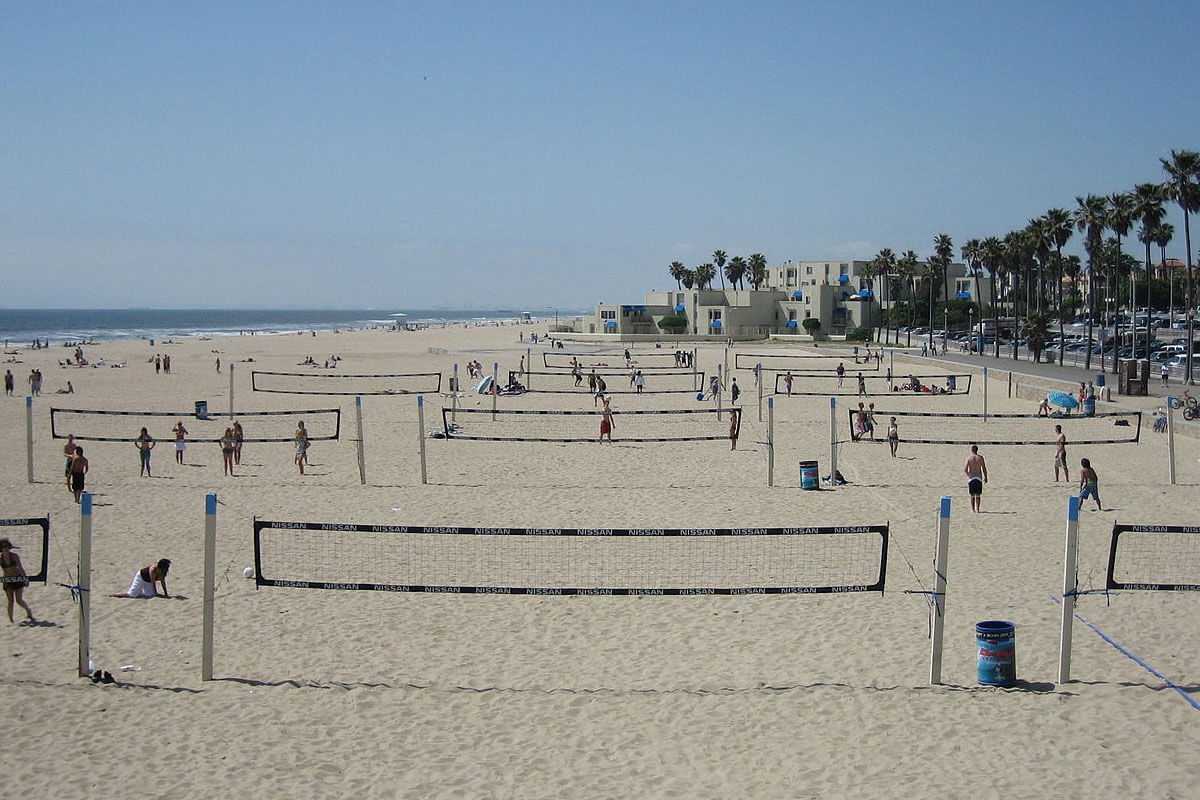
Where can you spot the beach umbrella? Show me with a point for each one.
(1062, 400)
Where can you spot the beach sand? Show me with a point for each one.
(376, 694)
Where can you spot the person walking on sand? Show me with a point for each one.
(841, 373)
(862, 385)
(78, 470)
(893, 436)
(787, 382)
(180, 441)
(144, 443)
(601, 388)
(1060, 454)
(8, 382)
(218, 365)
(606, 421)
(639, 382)
(239, 437)
(301, 438)
(15, 579)
(1089, 485)
(735, 391)
(976, 469)
(735, 418)
(69, 455)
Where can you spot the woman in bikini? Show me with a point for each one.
(227, 450)
(144, 443)
(180, 441)
(145, 579)
(15, 579)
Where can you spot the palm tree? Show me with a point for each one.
(1183, 172)
(1148, 207)
(758, 270)
(688, 279)
(1162, 236)
(677, 269)
(993, 259)
(704, 276)
(718, 259)
(736, 271)
(884, 263)
(1016, 262)
(906, 271)
(972, 253)
(1036, 331)
(1090, 221)
(1058, 233)
(1120, 219)
(944, 249)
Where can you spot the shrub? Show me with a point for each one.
(859, 335)
(673, 324)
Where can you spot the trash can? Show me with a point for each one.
(951, 384)
(997, 643)
(1089, 405)
(201, 409)
(809, 479)
(1100, 380)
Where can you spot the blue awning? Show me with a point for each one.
(641, 309)
(679, 308)
(843, 278)
(791, 323)
(962, 295)
(866, 293)
(612, 323)
(716, 323)
(797, 296)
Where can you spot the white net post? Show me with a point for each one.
(985, 383)
(1070, 586)
(758, 380)
(832, 440)
(421, 435)
(361, 444)
(1171, 439)
(528, 366)
(495, 387)
(85, 583)
(29, 438)
(210, 588)
(770, 441)
(939, 592)
(719, 390)
(231, 393)
(454, 397)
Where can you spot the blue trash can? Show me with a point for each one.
(997, 643)
(1089, 406)
(201, 409)
(1099, 379)
(809, 477)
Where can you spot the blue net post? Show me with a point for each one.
(1070, 587)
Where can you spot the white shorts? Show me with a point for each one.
(139, 587)
(180, 445)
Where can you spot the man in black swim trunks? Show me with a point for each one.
(977, 476)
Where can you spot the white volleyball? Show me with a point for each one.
(248, 572)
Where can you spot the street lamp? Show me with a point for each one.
(971, 331)
(945, 327)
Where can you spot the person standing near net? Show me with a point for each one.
(601, 388)
(893, 436)
(15, 579)
(735, 418)
(1060, 454)
(180, 441)
(787, 383)
(862, 385)
(639, 382)
(301, 438)
(78, 469)
(239, 436)
(735, 391)
(606, 421)
(226, 442)
(841, 373)
(69, 455)
(1089, 485)
(977, 476)
(144, 443)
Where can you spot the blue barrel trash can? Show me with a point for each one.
(997, 643)
(201, 409)
(1099, 379)
(809, 479)
(1089, 406)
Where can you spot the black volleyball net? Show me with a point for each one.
(257, 426)
(806, 362)
(582, 561)
(825, 384)
(337, 383)
(931, 427)
(653, 359)
(663, 381)
(31, 538)
(1154, 557)
(528, 425)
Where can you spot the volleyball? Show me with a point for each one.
(248, 572)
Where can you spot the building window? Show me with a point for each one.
(791, 314)
(608, 315)
(808, 270)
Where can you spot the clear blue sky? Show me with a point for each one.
(395, 154)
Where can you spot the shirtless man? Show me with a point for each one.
(1060, 454)
(977, 476)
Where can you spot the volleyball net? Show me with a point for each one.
(565, 561)
(931, 427)
(331, 383)
(537, 425)
(805, 362)
(655, 359)
(257, 426)
(32, 537)
(664, 381)
(1154, 557)
(825, 384)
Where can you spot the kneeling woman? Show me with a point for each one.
(146, 578)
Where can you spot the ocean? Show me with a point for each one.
(20, 327)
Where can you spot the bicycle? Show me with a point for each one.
(1190, 405)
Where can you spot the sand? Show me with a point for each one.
(372, 694)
